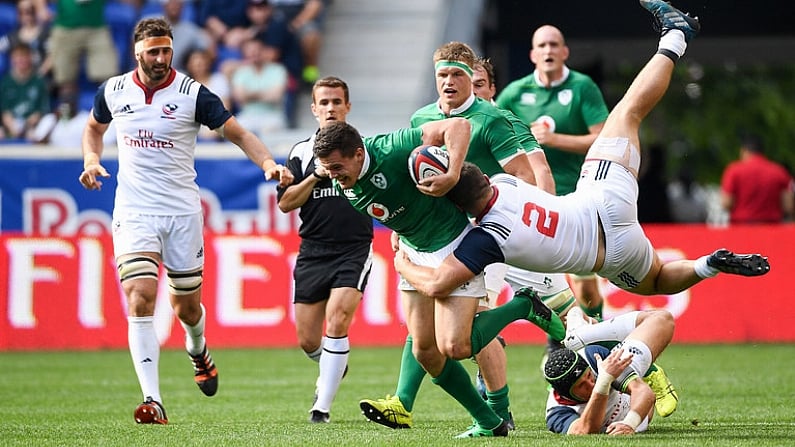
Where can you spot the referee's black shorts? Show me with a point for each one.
(321, 267)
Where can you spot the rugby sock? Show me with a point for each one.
(194, 335)
(614, 329)
(594, 312)
(315, 355)
(498, 401)
(332, 366)
(704, 270)
(145, 353)
(455, 380)
(411, 375)
(489, 323)
(672, 44)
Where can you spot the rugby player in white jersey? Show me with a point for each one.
(157, 215)
(594, 229)
(596, 389)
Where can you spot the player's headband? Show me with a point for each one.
(152, 42)
(456, 64)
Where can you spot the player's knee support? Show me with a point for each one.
(184, 283)
(138, 267)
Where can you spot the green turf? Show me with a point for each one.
(733, 395)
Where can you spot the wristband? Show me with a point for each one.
(602, 385)
(319, 177)
(632, 419)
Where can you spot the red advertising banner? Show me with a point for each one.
(62, 292)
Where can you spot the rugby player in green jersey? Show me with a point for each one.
(373, 175)
(565, 111)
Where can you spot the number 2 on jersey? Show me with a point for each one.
(546, 223)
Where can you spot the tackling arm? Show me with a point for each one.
(435, 283)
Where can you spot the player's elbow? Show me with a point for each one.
(286, 207)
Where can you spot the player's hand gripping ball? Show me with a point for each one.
(427, 161)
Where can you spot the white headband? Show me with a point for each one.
(152, 42)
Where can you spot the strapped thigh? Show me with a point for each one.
(137, 266)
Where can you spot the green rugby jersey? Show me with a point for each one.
(574, 105)
(522, 132)
(386, 192)
(492, 139)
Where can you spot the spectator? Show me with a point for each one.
(222, 19)
(304, 18)
(566, 111)
(755, 189)
(653, 201)
(688, 199)
(273, 33)
(24, 97)
(79, 29)
(188, 36)
(199, 66)
(258, 89)
(32, 31)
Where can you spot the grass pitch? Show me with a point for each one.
(730, 395)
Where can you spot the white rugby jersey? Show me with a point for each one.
(528, 228)
(561, 412)
(156, 134)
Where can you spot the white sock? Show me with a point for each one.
(332, 366)
(704, 270)
(194, 335)
(315, 355)
(674, 41)
(614, 329)
(145, 353)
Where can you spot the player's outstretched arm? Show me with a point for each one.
(256, 152)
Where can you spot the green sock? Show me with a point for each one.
(594, 312)
(411, 375)
(651, 369)
(489, 323)
(455, 380)
(498, 401)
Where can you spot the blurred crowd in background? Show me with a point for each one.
(258, 56)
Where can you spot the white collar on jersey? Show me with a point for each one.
(459, 110)
(562, 79)
(365, 164)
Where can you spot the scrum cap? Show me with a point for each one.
(562, 370)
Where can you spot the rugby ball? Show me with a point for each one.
(427, 161)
